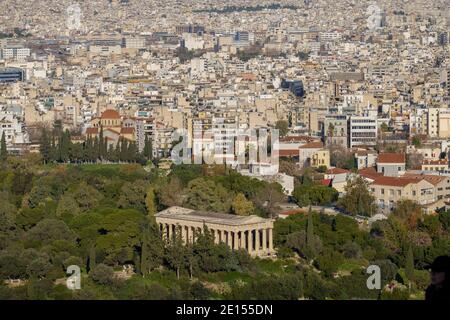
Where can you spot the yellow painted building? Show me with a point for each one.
(321, 158)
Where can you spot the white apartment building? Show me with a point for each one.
(193, 42)
(134, 43)
(363, 131)
(198, 66)
(330, 36)
(17, 54)
(13, 128)
(433, 122)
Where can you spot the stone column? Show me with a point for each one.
(242, 243)
(161, 230)
(186, 233)
(166, 231)
(230, 239)
(264, 240)
(249, 241)
(257, 243)
(270, 240)
(216, 236)
(170, 232)
(236, 240)
(183, 234)
(192, 232)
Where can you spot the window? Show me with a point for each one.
(382, 191)
(414, 193)
(399, 193)
(391, 192)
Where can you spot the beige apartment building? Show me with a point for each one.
(321, 158)
(435, 165)
(438, 122)
(389, 190)
(441, 183)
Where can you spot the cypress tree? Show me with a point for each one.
(409, 268)
(65, 146)
(152, 253)
(117, 150)
(87, 150)
(309, 227)
(53, 155)
(3, 149)
(133, 152)
(148, 152)
(101, 146)
(92, 258)
(123, 150)
(144, 267)
(310, 232)
(95, 150)
(45, 148)
(137, 262)
(110, 154)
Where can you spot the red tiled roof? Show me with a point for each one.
(288, 153)
(370, 173)
(394, 181)
(91, 130)
(337, 171)
(110, 114)
(434, 180)
(312, 145)
(129, 130)
(296, 139)
(391, 158)
(291, 212)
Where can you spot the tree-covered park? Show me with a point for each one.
(101, 217)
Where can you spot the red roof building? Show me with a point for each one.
(391, 158)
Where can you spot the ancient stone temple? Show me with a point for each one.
(252, 233)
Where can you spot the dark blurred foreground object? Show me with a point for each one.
(439, 289)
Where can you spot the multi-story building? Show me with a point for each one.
(335, 130)
(145, 127)
(389, 190)
(313, 154)
(363, 131)
(133, 43)
(321, 158)
(391, 164)
(433, 122)
(15, 53)
(435, 165)
(365, 159)
(13, 127)
(8, 75)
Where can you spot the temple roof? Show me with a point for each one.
(179, 213)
